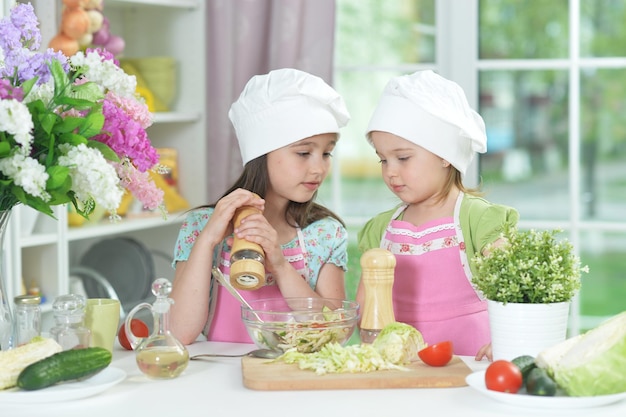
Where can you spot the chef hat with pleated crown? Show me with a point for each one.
(432, 112)
(283, 107)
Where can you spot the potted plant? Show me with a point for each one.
(529, 280)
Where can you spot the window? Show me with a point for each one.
(549, 80)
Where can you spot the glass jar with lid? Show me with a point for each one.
(69, 315)
(27, 318)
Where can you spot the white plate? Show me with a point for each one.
(476, 380)
(66, 391)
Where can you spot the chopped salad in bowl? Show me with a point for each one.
(304, 324)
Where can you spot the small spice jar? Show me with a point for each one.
(69, 314)
(27, 318)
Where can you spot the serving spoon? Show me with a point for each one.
(272, 339)
(257, 353)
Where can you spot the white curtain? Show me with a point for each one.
(249, 37)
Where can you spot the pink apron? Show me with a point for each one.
(431, 289)
(226, 324)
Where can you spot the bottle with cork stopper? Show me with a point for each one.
(247, 260)
(377, 274)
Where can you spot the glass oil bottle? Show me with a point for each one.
(160, 355)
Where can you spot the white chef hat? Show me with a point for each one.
(283, 107)
(432, 112)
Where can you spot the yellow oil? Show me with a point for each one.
(162, 363)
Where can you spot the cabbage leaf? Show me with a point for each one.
(396, 345)
(399, 343)
(590, 364)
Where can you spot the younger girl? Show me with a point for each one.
(426, 135)
(287, 124)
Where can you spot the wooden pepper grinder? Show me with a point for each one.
(247, 268)
(377, 266)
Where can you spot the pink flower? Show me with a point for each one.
(140, 185)
(125, 136)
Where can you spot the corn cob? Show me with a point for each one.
(13, 361)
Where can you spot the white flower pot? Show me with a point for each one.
(526, 329)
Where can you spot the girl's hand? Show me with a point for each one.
(255, 228)
(220, 224)
(485, 352)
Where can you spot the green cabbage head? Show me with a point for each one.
(399, 343)
(593, 363)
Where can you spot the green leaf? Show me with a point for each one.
(61, 80)
(76, 103)
(48, 121)
(68, 124)
(58, 177)
(58, 198)
(84, 209)
(36, 107)
(88, 91)
(104, 149)
(29, 200)
(28, 85)
(93, 124)
(5, 149)
(72, 138)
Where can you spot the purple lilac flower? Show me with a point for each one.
(20, 40)
(10, 36)
(30, 65)
(20, 30)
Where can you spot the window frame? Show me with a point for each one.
(457, 58)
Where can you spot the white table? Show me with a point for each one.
(211, 388)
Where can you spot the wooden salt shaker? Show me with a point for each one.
(247, 268)
(377, 274)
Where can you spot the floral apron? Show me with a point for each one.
(225, 324)
(431, 289)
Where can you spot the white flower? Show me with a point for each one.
(92, 176)
(27, 173)
(15, 119)
(43, 92)
(105, 73)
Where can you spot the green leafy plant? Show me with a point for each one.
(530, 267)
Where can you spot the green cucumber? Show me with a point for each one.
(525, 363)
(540, 383)
(64, 366)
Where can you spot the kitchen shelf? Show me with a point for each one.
(38, 239)
(105, 228)
(46, 253)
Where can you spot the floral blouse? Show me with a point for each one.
(326, 241)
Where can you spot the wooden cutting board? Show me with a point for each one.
(262, 374)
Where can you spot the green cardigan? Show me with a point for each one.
(481, 223)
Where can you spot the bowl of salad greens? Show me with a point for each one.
(304, 324)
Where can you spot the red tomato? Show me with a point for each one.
(438, 354)
(139, 329)
(503, 376)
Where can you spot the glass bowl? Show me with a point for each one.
(306, 324)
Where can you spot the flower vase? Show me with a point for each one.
(6, 322)
(524, 328)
